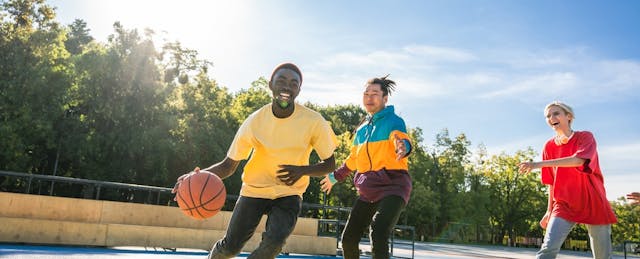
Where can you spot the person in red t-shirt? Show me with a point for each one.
(576, 186)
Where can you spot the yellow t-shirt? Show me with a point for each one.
(275, 142)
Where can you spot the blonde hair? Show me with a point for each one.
(566, 108)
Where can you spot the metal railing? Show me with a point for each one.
(97, 187)
(97, 184)
(635, 249)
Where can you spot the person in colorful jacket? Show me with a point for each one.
(576, 186)
(379, 158)
(277, 139)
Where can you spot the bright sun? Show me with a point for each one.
(178, 19)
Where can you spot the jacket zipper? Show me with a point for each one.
(369, 132)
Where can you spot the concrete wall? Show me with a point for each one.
(57, 220)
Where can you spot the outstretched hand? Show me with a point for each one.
(326, 185)
(634, 198)
(401, 148)
(526, 167)
(181, 178)
(290, 174)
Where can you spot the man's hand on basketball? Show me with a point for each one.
(326, 185)
(290, 174)
(179, 180)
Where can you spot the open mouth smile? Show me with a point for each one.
(285, 96)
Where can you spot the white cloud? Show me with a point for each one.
(566, 74)
(510, 146)
(412, 88)
(426, 71)
(482, 78)
(621, 158)
(620, 75)
(326, 92)
(618, 185)
(435, 54)
(371, 60)
(545, 86)
(546, 59)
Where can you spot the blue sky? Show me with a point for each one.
(482, 68)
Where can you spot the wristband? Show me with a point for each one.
(408, 145)
(332, 178)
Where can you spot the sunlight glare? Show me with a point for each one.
(182, 20)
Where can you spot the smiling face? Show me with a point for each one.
(285, 87)
(558, 119)
(374, 99)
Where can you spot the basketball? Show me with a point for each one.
(201, 195)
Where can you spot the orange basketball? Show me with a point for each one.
(201, 195)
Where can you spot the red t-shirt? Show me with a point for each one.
(578, 192)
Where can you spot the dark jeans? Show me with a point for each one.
(384, 214)
(282, 215)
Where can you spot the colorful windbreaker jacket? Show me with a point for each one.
(373, 157)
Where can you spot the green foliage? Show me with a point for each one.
(121, 106)
(424, 204)
(77, 37)
(517, 200)
(35, 72)
(343, 118)
(628, 226)
(447, 175)
(205, 128)
(343, 194)
(246, 101)
(27, 16)
(181, 62)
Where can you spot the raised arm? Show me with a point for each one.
(573, 161)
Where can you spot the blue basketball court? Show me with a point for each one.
(423, 250)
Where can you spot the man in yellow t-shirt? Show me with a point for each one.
(278, 139)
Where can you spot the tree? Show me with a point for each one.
(448, 176)
(247, 101)
(77, 37)
(36, 74)
(206, 127)
(477, 197)
(29, 15)
(517, 200)
(423, 207)
(628, 226)
(181, 63)
(121, 104)
(343, 118)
